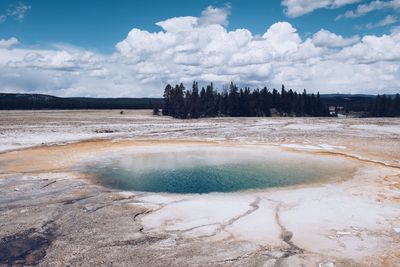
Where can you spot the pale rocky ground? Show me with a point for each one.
(53, 216)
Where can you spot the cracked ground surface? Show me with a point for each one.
(51, 215)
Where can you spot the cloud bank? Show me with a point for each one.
(201, 48)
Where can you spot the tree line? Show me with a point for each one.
(239, 102)
(386, 106)
(243, 102)
(10, 101)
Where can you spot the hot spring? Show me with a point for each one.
(205, 169)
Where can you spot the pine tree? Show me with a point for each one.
(194, 102)
(265, 102)
(202, 102)
(233, 106)
(179, 107)
(167, 99)
(209, 101)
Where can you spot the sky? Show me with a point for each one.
(129, 48)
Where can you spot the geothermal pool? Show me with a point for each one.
(205, 169)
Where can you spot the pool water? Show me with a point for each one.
(199, 169)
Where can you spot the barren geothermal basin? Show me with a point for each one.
(309, 191)
(205, 169)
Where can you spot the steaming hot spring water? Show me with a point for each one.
(205, 169)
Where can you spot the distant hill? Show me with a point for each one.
(8, 101)
(357, 102)
(347, 97)
(40, 101)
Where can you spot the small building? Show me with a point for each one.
(336, 110)
(332, 110)
(274, 112)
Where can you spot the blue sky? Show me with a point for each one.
(82, 44)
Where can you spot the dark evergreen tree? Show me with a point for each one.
(209, 102)
(194, 102)
(179, 102)
(167, 100)
(265, 102)
(233, 101)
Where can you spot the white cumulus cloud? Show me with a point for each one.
(329, 39)
(214, 15)
(8, 43)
